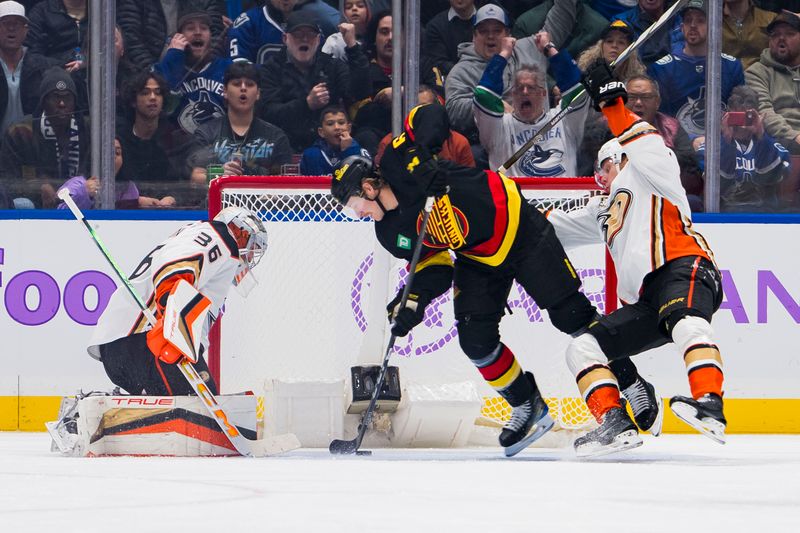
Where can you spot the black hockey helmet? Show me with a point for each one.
(348, 175)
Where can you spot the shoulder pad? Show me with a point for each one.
(241, 19)
(665, 60)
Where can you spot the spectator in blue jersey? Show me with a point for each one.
(300, 81)
(258, 32)
(681, 75)
(641, 17)
(147, 25)
(333, 145)
(611, 8)
(239, 141)
(155, 152)
(193, 73)
(751, 161)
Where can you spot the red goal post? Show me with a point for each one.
(319, 307)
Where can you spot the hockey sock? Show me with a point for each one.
(503, 373)
(704, 366)
(599, 390)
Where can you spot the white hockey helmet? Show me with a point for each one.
(251, 239)
(613, 150)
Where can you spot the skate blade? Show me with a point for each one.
(713, 429)
(655, 429)
(624, 441)
(541, 427)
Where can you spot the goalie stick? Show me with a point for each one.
(250, 448)
(580, 92)
(343, 447)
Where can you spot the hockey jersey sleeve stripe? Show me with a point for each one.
(625, 124)
(488, 101)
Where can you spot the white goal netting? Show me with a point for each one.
(319, 307)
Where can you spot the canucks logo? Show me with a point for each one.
(197, 112)
(692, 114)
(540, 162)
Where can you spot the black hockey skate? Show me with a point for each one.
(528, 423)
(646, 405)
(703, 414)
(615, 434)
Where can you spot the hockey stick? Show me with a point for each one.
(243, 445)
(342, 447)
(539, 135)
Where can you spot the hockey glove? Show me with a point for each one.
(602, 85)
(160, 347)
(405, 319)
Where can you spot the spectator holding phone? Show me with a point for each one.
(751, 161)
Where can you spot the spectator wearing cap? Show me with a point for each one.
(614, 39)
(46, 149)
(490, 27)
(239, 141)
(58, 29)
(641, 17)
(193, 73)
(300, 80)
(22, 69)
(258, 32)
(681, 74)
(147, 25)
(571, 24)
(774, 78)
(446, 31)
(744, 30)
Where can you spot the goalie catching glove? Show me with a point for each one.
(405, 319)
(602, 85)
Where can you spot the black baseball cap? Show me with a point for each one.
(784, 17)
(301, 19)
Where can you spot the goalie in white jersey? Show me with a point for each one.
(667, 279)
(191, 271)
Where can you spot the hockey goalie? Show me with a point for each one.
(184, 282)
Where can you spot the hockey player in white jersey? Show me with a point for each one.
(202, 260)
(503, 133)
(668, 281)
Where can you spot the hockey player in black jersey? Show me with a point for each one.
(497, 238)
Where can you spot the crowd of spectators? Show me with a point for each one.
(293, 86)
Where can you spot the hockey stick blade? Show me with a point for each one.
(539, 135)
(342, 447)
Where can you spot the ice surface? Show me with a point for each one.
(676, 484)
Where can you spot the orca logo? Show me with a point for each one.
(540, 162)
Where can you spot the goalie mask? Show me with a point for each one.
(251, 239)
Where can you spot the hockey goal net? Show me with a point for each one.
(319, 307)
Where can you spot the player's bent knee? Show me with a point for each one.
(691, 331)
(477, 337)
(572, 314)
(584, 352)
